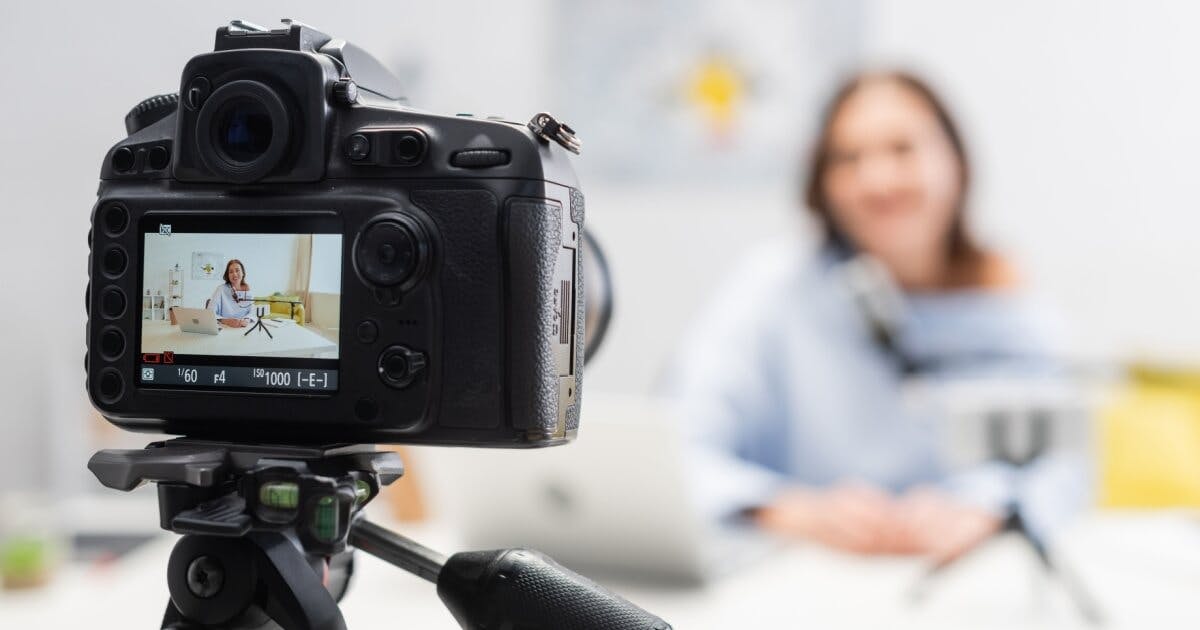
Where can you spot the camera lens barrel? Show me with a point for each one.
(243, 130)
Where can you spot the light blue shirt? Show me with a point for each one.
(780, 382)
(226, 305)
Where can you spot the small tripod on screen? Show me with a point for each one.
(269, 532)
(260, 323)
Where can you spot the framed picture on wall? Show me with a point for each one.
(207, 265)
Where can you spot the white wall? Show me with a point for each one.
(326, 274)
(1084, 120)
(270, 261)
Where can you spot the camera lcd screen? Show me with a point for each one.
(240, 303)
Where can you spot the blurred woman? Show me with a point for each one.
(792, 390)
(231, 300)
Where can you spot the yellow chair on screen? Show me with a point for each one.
(283, 306)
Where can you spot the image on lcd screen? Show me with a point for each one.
(239, 310)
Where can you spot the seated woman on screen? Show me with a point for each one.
(797, 409)
(231, 301)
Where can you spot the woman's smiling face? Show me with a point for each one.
(894, 181)
(235, 274)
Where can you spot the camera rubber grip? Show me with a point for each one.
(532, 245)
(521, 588)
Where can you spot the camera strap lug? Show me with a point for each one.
(548, 128)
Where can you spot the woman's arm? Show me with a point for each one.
(214, 301)
(219, 304)
(723, 403)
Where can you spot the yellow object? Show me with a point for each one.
(283, 306)
(1150, 442)
(717, 88)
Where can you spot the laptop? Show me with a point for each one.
(613, 503)
(196, 320)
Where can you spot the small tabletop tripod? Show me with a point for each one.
(1015, 521)
(268, 538)
(259, 324)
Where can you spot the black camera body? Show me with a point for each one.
(286, 252)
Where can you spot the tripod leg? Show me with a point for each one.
(295, 597)
(340, 570)
(173, 620)
(226, 582)
(1087, 606)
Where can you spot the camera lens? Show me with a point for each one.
(244, 130)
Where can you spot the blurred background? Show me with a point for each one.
(696, 118)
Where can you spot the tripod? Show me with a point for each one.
(1015, 521)
(269, 533)
(259, 324)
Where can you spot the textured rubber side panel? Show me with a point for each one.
(580, 308)
(533, 241)
(470, 283)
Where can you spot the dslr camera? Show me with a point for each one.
(286, 251)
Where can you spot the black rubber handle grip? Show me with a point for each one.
(520, 588)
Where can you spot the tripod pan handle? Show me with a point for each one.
(521, 588)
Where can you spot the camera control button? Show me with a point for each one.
(480, 158)
(111, 386)
(358, 147)
(115, 218)
(112, 303)
(399, 366)
(345, 92)
(386, 254)
(112, 344)
(408, 147)
(114, 262)
(367, 331)
(197, 92)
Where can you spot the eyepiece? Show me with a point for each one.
(243, 131)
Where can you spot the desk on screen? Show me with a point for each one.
(288, 339)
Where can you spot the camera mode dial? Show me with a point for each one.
(150, 111)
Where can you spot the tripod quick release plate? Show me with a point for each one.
(225, 489)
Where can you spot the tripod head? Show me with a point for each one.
(269, 533)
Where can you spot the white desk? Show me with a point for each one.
(1143, 569)
(288, 339)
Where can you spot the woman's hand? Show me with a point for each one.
(852, 517)
(233, 322)
(937, 525)
(864, 519)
